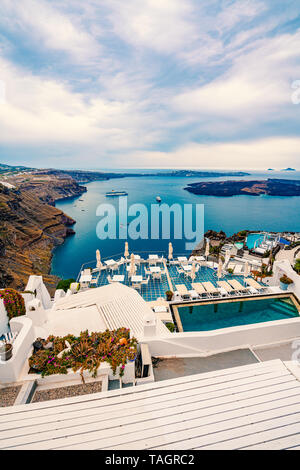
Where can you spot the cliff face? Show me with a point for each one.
(30, 228)
(50, 188)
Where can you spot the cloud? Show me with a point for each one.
(258, 154)
(253, 90)
(47, 111)
(48, 27)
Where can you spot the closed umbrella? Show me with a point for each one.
(98, 258)
(170, 256)
(193, 271)
(126, 251)
(207, 248)
(246, 271)
(132, 266)
(220, 267)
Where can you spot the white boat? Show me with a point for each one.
(114, 193)
(158, 198)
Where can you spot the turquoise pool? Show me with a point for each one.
(254, 239)
(228, 314)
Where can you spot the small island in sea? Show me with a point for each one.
(270, 187)
(288, 169)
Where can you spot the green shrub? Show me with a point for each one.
(170, 326)
(65, 284)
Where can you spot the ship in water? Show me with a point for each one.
(114, 193)
(158, 198)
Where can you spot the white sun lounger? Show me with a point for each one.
(182, 290)
(227, 287)
(237, 286)
(253, 283)
(198, 287)
(210, 288)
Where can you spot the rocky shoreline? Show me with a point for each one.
(30, 227)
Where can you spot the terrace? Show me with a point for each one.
(152, 275)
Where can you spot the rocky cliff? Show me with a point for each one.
(30, 227)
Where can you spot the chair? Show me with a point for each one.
(147, 271)
(145, 282)
(109, 279)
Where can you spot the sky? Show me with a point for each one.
(150, 84)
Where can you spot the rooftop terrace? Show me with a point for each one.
(153, 276)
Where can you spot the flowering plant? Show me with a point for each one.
(86, 353)
(13, 303)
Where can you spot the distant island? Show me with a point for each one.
(288, 169)
(86, 176)
(270, 187)
(270, 169)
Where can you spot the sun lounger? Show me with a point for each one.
(237, 285)
(227, 287)
(252, 283)
(210, 288)
(182, 290)
(197, 286)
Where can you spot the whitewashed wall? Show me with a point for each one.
(203, 344)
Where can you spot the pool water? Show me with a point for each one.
(254, 239)
(228, 314)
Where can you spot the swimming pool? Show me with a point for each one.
(213, 316)
(254, 239)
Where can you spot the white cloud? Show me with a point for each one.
(276, 152)
(256, 86)
(49, 27)
(47, 111)
(164, 26)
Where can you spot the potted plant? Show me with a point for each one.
(230, 271)
(5, 351)
(285, 281)
(169, 295)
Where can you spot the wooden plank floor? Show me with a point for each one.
(254, 407)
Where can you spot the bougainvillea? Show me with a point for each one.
(13, 302)
(86, 353)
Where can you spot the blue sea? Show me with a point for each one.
(228, 214)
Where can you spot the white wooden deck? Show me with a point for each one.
(250, 407)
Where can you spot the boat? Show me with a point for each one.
(158, 198)
(114, 193)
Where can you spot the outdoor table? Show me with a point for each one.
(136, 278)
(110, 262)
(155, 269)
(199, 258)
(118, 278)
(187, 267)
(182, 259)
(153, 259)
